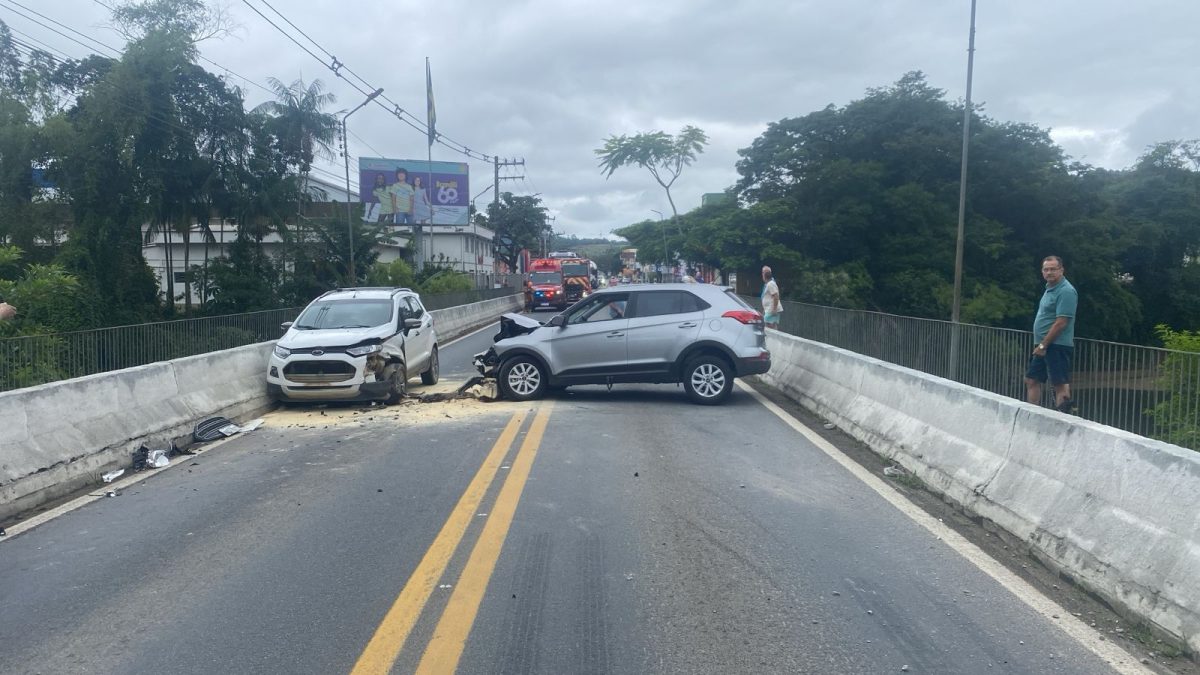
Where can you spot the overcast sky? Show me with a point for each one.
(548, 80)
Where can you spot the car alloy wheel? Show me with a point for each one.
(523, 379)
(431, 376)
(708, 380)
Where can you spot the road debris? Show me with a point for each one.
(830, 425)
(479, 387)
(112, 475)
(157, 459)
(216, 428)
(211, 429)
(894, 471)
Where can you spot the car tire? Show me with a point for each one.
(708, 380)
(431, 375)
(397, 377)
(522, 378)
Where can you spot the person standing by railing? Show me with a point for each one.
(1054, 331)
(771, 304)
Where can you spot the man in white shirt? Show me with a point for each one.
(772, 305)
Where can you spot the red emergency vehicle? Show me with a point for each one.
(548, 288)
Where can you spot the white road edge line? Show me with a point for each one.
(115, 486)
(1076, 628)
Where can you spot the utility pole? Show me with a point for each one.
(496, 177)
(962, 206)
(353, 281)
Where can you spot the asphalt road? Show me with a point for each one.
(622, 531)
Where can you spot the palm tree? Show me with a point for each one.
(303, 129)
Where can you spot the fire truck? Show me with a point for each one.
(577, 278)
(549, 289)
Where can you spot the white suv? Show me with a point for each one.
(355, 344)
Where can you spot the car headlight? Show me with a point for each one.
(363, 350)
(282, 352)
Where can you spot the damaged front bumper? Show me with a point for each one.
(511, 325)
(487, 362)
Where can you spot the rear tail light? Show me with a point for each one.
(745, 316)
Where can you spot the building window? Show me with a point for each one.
(180, 277)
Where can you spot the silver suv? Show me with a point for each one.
(698, 334)
(355, 344)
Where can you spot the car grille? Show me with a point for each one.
(319, 372)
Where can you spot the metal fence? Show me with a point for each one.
(37, 359)
(1146, 390)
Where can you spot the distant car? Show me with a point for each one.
(355, 344)
(701, 335)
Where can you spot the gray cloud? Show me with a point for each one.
(548, 80)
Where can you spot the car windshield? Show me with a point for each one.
(345, 314)
(575, 270)
(546, 277)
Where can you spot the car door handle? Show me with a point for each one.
(688, 324)
(615, 333)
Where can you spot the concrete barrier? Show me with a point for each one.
(59, 437)
(1116, 512)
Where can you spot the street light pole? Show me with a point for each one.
(346, 155)
(474, 230)
(955, 311)
(662, 226)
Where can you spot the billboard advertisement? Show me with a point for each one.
(413, 191)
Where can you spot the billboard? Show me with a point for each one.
(413, 191)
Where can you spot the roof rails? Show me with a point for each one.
(392, 289)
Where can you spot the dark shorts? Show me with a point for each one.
(1056, 363)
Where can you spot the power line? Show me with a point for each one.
(337, 66)
(49, 28)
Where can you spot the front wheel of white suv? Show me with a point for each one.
(522, 378)
(397, 377)
(708, 380)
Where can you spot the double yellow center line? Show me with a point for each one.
(450, 636)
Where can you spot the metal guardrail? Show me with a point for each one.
(37, 359)
(1149, 391)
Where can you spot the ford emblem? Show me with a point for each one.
(318, 352)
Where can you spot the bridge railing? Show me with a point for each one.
(37, 359)
(1149, 391)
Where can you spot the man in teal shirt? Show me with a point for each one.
(1054, 332)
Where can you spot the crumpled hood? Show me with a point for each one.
(333, 337)
(512, 325)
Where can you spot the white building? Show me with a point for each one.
(468, 249)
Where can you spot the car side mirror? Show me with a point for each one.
(558, 321)
(409, 324)
(286, 325)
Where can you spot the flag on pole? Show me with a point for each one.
(430, 111)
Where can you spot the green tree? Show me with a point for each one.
(303, 131)
(663, 155)
(868, 191)
(519, 223)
